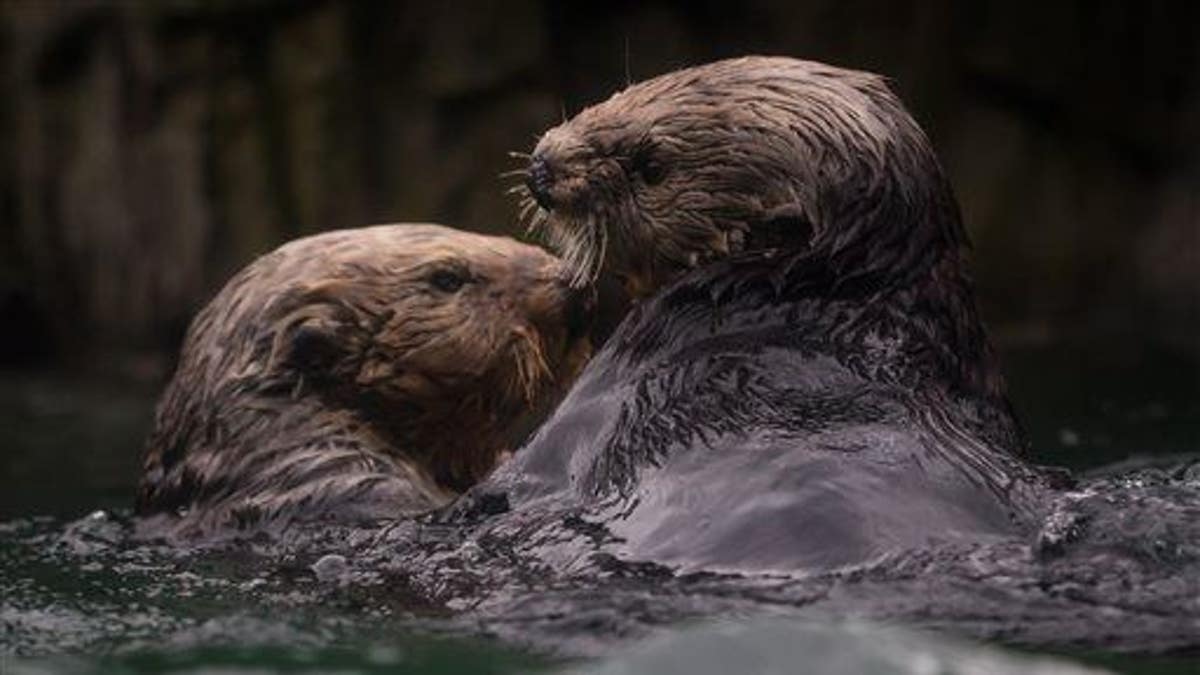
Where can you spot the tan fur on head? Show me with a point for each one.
(749, 153)
(385, 368)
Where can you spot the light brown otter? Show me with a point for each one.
(359, 374)
(742, 154)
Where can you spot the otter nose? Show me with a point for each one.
(540, 180)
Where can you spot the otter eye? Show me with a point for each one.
(447, 281)
(647, 165)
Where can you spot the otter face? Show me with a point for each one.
(425, 316)
(744, 154)
(443, 340)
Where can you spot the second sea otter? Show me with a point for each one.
(367, 373)
(808, 383)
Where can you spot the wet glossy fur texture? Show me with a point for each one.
(741, 155)
(357, 374)
(808, 383)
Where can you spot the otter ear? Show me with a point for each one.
(312, 333)
(312, 346)
(786, 226)
(309, 341)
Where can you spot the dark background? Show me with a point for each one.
(149, 149)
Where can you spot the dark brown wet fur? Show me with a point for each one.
(806, 383)
(358, 374)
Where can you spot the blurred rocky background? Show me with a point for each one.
(149, 149)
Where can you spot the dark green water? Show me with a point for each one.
(72, 604)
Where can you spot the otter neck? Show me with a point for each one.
(929, 305)
(932, 295)
(433, 437)
(893, 227)
(945, 293)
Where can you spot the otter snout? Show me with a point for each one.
(557, 168)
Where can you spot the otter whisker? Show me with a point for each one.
(520, 377)
(525, 206)
(578, 246)
(539, 357)
(526, 375)
(588, 252)
(519, 155)
(532, 369)
(537, 222)
(602, 254)
(583, 246)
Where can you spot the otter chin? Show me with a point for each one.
(806, 383)
(359, 374)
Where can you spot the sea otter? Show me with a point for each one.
(356, 374)
(808, 383)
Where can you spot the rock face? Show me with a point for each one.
(150, 149)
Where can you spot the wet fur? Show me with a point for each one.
(808, 383)
(331, 379)
(744, 154)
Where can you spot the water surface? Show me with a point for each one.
(73, 599)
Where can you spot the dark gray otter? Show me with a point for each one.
(359, 374)
(809, 384)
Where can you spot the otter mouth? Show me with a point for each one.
(579, 239)
(553, 207)
(539, 367)
(582, 243)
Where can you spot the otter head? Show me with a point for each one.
(739, 155)
(424, 318)
(399, 345)
(432, 325)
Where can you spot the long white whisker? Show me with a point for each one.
(537, 222)
(603, 253)
(525, 206)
